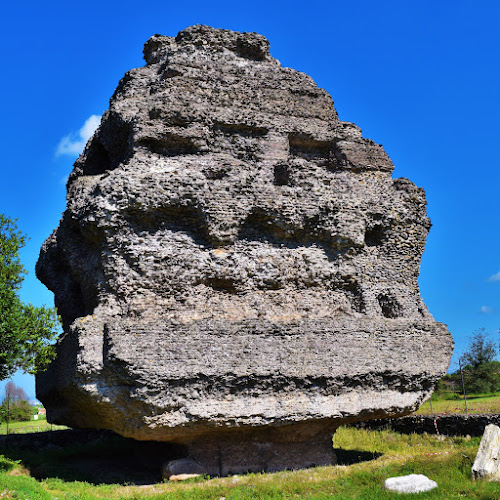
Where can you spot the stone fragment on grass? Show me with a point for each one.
(413, 483)
(183, 477)
(487, 462)
(176, 470)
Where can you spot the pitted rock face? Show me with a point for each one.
(233, 258)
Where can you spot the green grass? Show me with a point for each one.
(395, 455)
(30, 426)
(476, 403)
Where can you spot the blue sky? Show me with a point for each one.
(421, 78)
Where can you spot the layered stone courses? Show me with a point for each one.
(234, 259)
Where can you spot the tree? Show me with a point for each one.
(26, 332)
(14, 392)
(15, 406)
(21, 411)
(481, 350)
(484, 379)
(480, 369)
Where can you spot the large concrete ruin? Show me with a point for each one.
(236, 269)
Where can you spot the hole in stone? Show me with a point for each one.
(169, 72)
(221, 284)
(282, 175)
(216, 172)
(76, 295)
(97, 159)
(374, 236)
(389, 305)
(72, 305)
(170, 145)
(186, 219)
(354, 294)
(308, 147)
(262, 226)
(242, 129)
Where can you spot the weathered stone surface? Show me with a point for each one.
(487, 462)
(235, 263)
(413, 483)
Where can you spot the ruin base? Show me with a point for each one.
(291, 447)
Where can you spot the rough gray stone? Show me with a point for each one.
(235, 264)
(413, 483)
(487, 462)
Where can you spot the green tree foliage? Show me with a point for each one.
(15, 406)
(26, 332)
(19, 411)
(481, 370)
(483, 379)
(481, 350)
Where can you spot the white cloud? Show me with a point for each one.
(495, 277)
(73, 144)
(486, 310)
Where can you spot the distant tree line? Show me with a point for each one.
(478, 366)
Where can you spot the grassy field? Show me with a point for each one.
(31, 426)
(476, 403)
(366, 459)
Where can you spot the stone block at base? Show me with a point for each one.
(261, 451)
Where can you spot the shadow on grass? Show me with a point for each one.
(93, 456)
(103, 457)
(479, 396)
(350, 457)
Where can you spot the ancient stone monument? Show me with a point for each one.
(236, 269)
(487, 462)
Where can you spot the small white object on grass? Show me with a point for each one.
(413, 483)
(183, 477)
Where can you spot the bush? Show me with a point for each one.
(480, 370)
(446, 386)
(7, 464)
(483, 379)
(21, 411)
(15, 406)
(447, 396)
(15, 411)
